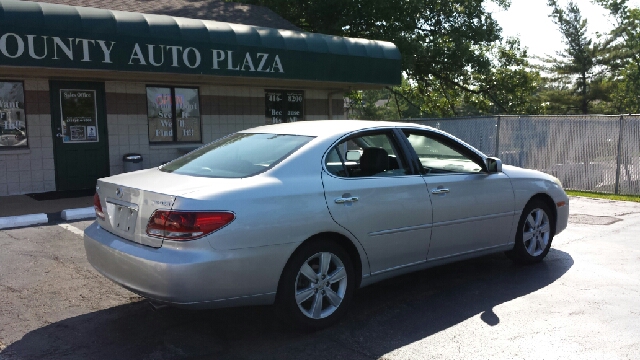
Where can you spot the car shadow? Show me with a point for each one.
(383, 317)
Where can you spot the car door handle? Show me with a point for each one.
(343, 200)
(439, 191)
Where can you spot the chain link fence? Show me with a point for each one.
(590, 152)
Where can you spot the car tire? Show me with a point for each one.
(534, 235)
(317, 285)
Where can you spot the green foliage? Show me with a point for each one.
(594, 77)
(576, 63)
(372, 105)
(623, 56)
(505, 86)
(385, 104)
(455, 61)
(511, 87)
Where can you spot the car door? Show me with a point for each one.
(371, 192)
(472, 208)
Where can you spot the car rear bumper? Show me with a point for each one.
(189, 275)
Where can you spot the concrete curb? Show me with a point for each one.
(8, 222)
(23, 220)
(78, 214)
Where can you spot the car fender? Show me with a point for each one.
(529, 183)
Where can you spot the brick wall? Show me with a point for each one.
(224, 109)
(31, 170)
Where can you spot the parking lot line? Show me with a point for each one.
(71, 228)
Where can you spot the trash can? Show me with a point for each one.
(132, 162)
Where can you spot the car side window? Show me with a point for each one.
(366, 156)
(436, 156)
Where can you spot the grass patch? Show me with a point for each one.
(599, 195)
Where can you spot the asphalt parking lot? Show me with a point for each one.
(582, 302)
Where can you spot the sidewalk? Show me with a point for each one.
(23, 210)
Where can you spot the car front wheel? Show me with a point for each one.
(534, 235)
(317, 285)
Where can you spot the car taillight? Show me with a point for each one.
(185, 225)
(97, 206)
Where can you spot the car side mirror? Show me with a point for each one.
(353, 155)
(494, 165)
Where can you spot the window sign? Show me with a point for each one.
(284, 106)
(274, 106)
(187, 115)
(13, 126)
(79, 116)
(160, 113)
(174, 115)
(294, 109)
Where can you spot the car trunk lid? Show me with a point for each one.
(127, 210)
(128, 200)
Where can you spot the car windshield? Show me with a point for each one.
(237, 155)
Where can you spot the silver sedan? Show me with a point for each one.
(303, 214)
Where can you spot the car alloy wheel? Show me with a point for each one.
(536, 232)
(317, 284)
(320, 285)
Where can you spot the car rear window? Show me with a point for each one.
(237, 155)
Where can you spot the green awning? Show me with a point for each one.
(59, 36)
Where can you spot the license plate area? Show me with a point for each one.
(122, 216)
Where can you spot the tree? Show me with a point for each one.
(623, 56)
(577, 61)
(449, 48)
(511, 87)
(385, 104)
(372, 105)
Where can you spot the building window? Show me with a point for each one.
(284, 106)
(13, 125)
(174, 115)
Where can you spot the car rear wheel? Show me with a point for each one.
(534, 235)
(317, 285)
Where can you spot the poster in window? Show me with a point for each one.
(187, 115)
(92, 133)
(284, 106)
(294, 106)
(159, 113)
(78, 112)
(77, 133)
(13, 126)
(274, 106)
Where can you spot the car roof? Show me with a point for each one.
(326, 128)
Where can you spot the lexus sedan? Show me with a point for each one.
(302, 214)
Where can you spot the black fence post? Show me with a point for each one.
(498, 136)
(619, 155)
